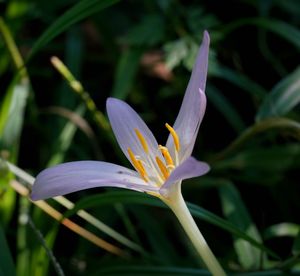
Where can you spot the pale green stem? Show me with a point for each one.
(81, 213)
(78, 88)
(270, 123)
(13, 49)
(178, 206)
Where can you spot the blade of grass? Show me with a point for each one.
(6, 262)
(79, 11)
(144, 199)
(64, 140)
(80, 122)
(240, 80)
(283, 229)
(23, 253)
(13, 107)
(257, 128)
(178, 271)
(236, 212)
(282, 98)
(81, 213)
(48, 251)
(22, 190)
(12, 48)
(126, 71)
(78, 88)
(152, 270)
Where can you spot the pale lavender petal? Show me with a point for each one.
(124, 120)
(75, 176)
(193, 105)
(188, 169)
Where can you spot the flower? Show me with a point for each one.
(159, 170)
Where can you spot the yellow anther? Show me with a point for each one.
(142, 167)
(138, 165)
(175, 136)
(142, 140)
(162, 167)
(167, 156)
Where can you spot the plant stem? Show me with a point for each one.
(270, 123)
(178, 206)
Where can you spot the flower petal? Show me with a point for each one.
(193, 105)
(124, 120)
(188, 169)
(75, 176)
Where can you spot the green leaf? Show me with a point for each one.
(276, 158)
(296, 245)
(283, 97)
(281, 230)
(176, 271)
(152, 270)
(183, 50)
(64, 140)
(6, 262)
(158, 239)
(12, 113)
(239, 79)
(81, 10)
(236, 212)
(126, 71)
(144, 199)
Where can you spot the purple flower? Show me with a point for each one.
(158, 169)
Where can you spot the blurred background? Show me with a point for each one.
(142, 52)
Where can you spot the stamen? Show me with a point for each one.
(162, 167)
(142, 140)
(167, 156)
(175, 136)
(138, 165)
(142, 167)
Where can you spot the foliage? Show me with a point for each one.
(142, 51)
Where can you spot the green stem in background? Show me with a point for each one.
(177, 204)
(13, 49)
(78, 88)
(258, 128)
(23, 251)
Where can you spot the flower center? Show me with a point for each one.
(161, 168)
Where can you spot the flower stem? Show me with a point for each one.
(178, 206)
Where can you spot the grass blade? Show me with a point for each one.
(126, 71)
(81, 213)
(6, 262)
(139, 198)
(76, 13)
(283, 97)
(237, 213)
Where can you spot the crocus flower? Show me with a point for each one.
(157, 168)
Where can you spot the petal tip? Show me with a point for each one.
(206, 37)
(34, 195)
(110, 101)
